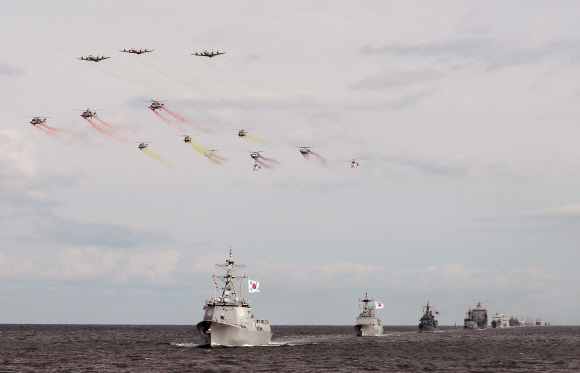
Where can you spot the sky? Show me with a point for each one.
(464, 116)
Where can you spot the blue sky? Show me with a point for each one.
(466, 115)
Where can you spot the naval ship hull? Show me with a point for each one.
(425, 327)
(218, 334)
(368, 330)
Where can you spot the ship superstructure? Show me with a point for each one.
(476, 318)
(367, 324)
(428, 321)
(227, 320)
(469, 321)
(500, 321)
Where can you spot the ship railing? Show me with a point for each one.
(262, 322)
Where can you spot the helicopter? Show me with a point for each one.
(88, 113)
(90, 57)
(354, 163)
(134, 50)
(242, 133)
(210, 153)
(305, 150)
(208, 54)
(255, 155)
(257, 167)
(186, 138)
(156, 105)
(38, 120)
(143, 145)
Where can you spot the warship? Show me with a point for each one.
(427, 321)
(476, 318)
(499, 321)
(227, 320)
(367, 324)
(469, 320)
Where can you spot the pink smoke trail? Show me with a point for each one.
(269, 159)
(104, 123)
(44, 130)
(305, 156)
(99, 128)
(185, 120)
(166, 120)
(50, 128)
(263, 163)
(321, 158)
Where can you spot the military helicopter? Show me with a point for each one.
(90, 57)
(136, 51)
(143, 145)
(242, 133)
(354, 163)
(88, 113)
(255, 155)
(156, 105)
(38, 120)
(257, 167)
(208, 54)
(305, 150)
(186, 138)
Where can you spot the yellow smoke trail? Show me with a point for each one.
(256, 139)
(156, 156)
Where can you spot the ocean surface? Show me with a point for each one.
(151, 348)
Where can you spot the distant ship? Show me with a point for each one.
(227, 320)
(476, 318)
(427, 322)
(513, 321)
(367, 324)
(538, 322)
(499, 321)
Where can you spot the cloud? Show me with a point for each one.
(10, 70)
(493, 54)
(392, 79)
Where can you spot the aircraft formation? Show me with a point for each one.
(158, 108)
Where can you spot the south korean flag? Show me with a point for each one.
(379, 305)
(253, 286)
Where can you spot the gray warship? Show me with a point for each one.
(367, 324)
(476, 318)
(227, 320)
(427, 322)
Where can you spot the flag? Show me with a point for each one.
(253, 286)
(379, 305)
(436, 312)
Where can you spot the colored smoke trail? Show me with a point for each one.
(99, 128)
(206, 152)
(263, 163)
(50, 128)
(44, 130)
(305, 156)
(185, 120)
(320, 158)
(103, 122)
(158, 157)
(255, 139)
(269, 159)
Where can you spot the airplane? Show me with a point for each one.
(242, 133)
(143, 145)
(88, 113)
(208, 54)
(38, 120)
(305, 150)
(156, 105)
(90, 57)
(255, 155)
(354, 163)
(134, 50)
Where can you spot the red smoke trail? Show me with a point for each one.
(263, 163)
(104, 123)
(99, 128)
(166, 120)
(185, 120)
(50, 128)
(44, 130)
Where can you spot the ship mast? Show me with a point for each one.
(229, 294)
